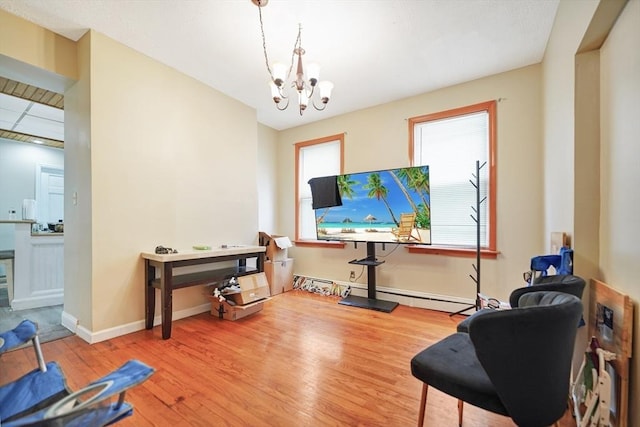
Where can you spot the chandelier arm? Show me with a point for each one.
(324, 105)
(285, 105)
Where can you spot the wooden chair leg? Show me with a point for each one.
(460, 408)
(423, 404)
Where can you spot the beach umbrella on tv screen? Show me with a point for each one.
(369, 218)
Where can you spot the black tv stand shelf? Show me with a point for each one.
(366, 261)
(371, 302)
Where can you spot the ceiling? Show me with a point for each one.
(373, 51)
(31, 114)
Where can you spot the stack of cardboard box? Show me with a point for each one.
(254, 290)
(278, 266)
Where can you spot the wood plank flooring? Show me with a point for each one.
(302, 361)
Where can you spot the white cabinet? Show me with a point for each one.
(38, 279)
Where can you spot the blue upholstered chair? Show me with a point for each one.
(514, 362)
(41, 397)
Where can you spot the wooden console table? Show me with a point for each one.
(166, 282)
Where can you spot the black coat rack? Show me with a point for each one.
(476, 218)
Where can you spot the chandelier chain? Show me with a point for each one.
(297, 44)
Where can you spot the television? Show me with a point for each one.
(384, 206)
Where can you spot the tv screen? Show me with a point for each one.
(385, 206)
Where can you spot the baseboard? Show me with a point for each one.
(36, 302)
(106, 334)
(446, 303)
(69, 321)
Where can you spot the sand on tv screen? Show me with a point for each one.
(386, 206)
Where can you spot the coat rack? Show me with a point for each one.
(476, 219)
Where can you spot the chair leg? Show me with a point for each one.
(423, 404)
(460, 408)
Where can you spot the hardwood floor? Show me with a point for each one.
(302, 361)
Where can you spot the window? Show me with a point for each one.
(315, 158)
(450, 143)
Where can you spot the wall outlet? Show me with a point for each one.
(352, 275)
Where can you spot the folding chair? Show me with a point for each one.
(41, 397)
(541, 265)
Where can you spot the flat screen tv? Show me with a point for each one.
(385, 206)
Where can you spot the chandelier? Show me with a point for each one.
(305, 86)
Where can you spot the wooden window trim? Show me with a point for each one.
(490, 107)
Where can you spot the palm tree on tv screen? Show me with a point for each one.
(379, 191)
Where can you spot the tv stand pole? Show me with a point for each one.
(371, 302)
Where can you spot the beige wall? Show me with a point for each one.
(267, 178)
(154, 157)
(620, 174)
(34, 55)
(377, 138)
(171, 164)
(557, 167)
(78, 217)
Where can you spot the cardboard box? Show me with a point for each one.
(277, 246)
(253, 287)
(279, 275)
(234, 312)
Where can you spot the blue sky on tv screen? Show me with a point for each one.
(361, 206)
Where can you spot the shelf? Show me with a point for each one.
(366, 261)
(206, 277)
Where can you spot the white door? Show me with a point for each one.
(50, 195)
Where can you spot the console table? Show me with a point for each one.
(166, 281)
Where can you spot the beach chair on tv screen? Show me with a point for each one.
(404, 232)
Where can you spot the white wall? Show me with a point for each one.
(18, 162)
(620, 155)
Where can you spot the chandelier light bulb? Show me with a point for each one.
(325, 90)
(275, 92)
(313, 73)
(279, 73)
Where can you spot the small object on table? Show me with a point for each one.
(202, 248)
(162, 250)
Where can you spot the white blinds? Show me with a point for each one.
(451, 147)
(315, 161)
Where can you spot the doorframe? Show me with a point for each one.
(40, 169)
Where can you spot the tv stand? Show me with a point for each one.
(371, 302)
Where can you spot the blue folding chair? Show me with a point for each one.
(541, 265)
(41, 397)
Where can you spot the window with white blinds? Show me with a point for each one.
(314, 159)
(451, 144)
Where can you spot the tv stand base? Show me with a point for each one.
(369, 303)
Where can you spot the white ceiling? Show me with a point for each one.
(374, 51)
(32, 118)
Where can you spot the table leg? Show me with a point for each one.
(149, 295)
(166, 285)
